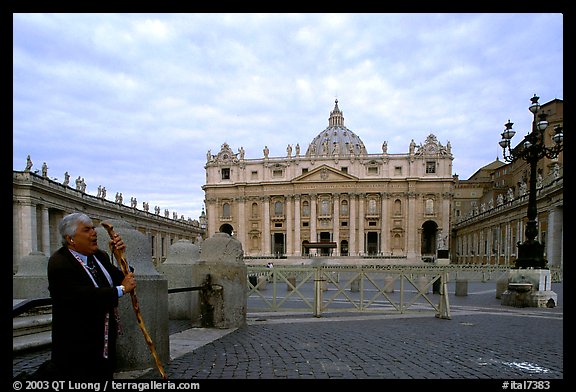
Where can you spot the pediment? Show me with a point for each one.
(324, 174)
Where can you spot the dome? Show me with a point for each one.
(336, 139)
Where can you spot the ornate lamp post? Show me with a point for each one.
(531, 252)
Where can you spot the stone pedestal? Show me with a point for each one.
(442, 261)
(152, 296)
(31, 280)
(529, 288)
(221, 267)
(177, 269)
(461, 287)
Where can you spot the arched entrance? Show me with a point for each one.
(226, 228)
(344, 248)
(278, 245)
(372, 243)
(429, 230)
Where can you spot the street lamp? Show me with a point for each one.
(531, 252)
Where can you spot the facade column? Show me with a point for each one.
(361, 219)
(266, 250)
(412, 230)
(336, 222)
(242, 224)
(313, 221)
(352, 240)
(297, 224)
(384, 225)
(289, 220)
(555, 238)
(212, 217)
(27, 237)
(508, 242)
(45, 231)
(446, 197)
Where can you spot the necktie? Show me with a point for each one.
(98, 275)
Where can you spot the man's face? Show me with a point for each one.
(85, 240)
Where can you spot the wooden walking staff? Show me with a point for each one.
(125, 268)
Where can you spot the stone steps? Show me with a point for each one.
(31, 331)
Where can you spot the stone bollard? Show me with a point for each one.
(292, 281)
(262, 281)
(501, 286)
(389, 284)
(461, 287)
(152, 296)
(421, 282)
(177, 269)
(31, 280)
(222, 270)
(355, 285)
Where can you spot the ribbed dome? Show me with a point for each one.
(336, 139)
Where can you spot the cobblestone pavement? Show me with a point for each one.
(483, 340)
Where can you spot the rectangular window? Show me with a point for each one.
(372, 171)
(279, 225)
(304, 170)
(344, 169)
(398, 170)
(225, 173)
(254, 175)
(430, 167)
(277, 173)
(344, 223)
(305, 224)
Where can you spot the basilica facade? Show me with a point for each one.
(334, 199)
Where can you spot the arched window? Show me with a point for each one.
(226, 210)
(278, 208)
(371, 207)
(324, 207)
(305, 208)
(429, 206)
(344, 207)
(255, 210)
(397, 207)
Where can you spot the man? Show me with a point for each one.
(85, 287)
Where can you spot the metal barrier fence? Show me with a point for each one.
(321, 289)
(363, 288)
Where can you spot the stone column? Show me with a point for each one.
(27, 238)
(361, 239)
(555, 238)
(45, 231)
(313, 221)
(352, 231)
(289, 220)
(411, 231)
(266, 249)
(297, 224)
(212, 215)
(336, 222)
(384, 225)
(152, 295)
(241, 222)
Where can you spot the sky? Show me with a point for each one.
(134, 101)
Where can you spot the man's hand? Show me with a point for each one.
(129, 282)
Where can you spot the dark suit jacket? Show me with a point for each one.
(78, 314)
